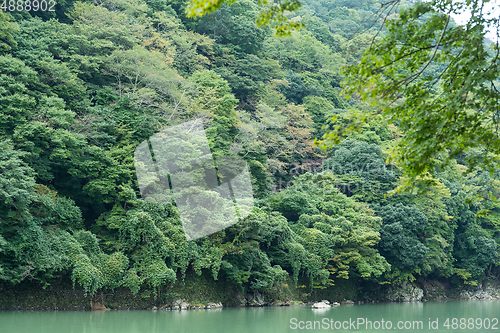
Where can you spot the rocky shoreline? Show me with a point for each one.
(217, 296)
(438, 291)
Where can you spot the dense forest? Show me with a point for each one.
(81, 87)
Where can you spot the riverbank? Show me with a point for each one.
(202, 292)
(380, 317)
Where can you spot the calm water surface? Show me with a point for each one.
(268, 319)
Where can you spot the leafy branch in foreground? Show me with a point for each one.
(438, 82)
(272, 13)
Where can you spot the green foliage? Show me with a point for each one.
(474, 250)
(6, 31)
(332, 227)
(94, 269)
(16, 182)
(81, 89)
(16, 81)
(51, 209)
(274, 13)
(450, 111)
(320, 31)
(319, 108)
(362, 170)
(235, 25)
(400, 236)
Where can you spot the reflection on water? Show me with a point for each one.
(269, 319)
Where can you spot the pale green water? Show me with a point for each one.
(268, 319)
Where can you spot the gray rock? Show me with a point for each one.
(240, 300)
(320, 305)
(486, 292)
(405, 292)
(211, 305)
(434, 290)
(256, 299)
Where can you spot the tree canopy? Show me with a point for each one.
(80, 92)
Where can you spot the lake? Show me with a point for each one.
(471, 316)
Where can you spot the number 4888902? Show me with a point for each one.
(471, 323)
(28, 5)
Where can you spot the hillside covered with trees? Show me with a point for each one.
(83, 86)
